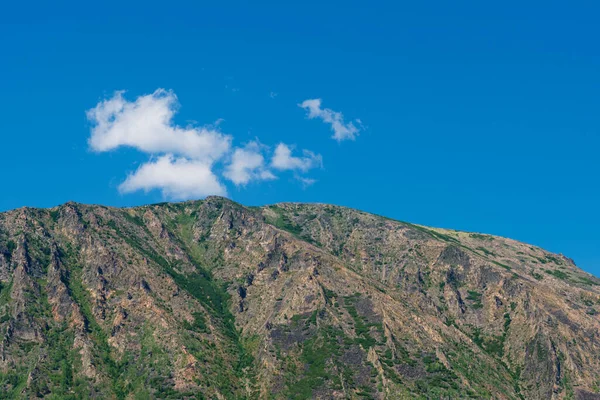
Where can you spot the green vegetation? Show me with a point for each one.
(506, 267)
(315, 355)
(435, 234)
(479, 236)
(5, 293)
(329, 295)
(318, 362)
(440, 381)
(362, 328)
(102, 350)
(199, 324)
(54, 215)
(587, 281)
(10, 248)
(216, 300)
(150, 296)
(475, 297)
(486, 251)
(537, 276)
(558, 274)
(493, 345)
(283, 222)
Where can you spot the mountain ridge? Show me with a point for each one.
(224, 198)
(210, 298)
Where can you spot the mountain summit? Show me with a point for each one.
(211, 299)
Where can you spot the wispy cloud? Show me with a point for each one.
(306, 182)
(284, 160)
(341, 130)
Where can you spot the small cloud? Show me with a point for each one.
(341, 130)
(217, 123)
(283, 159)
(248, 164)
(306, 182)
(146, 124)
(273, 95)
(177, 178)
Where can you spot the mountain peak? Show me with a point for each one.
(211, 298)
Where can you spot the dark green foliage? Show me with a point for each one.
(507, 321)
(551, 258)
(134, 219)
(199, 324)
(143, 247)
(215, 298)
(587, 281)
(284, 222)
(328, 294)
(54, 215)
(481, 237)
(10, 248)
(506, 267)
(5, 293)
(321, 359)
(537, 276)
(439, 382)
(486, 251)
(315, 355)
(61, 359)
(362, 328)
(558, 274)
(434, 234)
(475, 297)
(11, 383)
(96, 333)
(493, 345)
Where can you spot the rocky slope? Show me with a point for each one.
(211, 299)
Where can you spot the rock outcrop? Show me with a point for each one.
(211, 299)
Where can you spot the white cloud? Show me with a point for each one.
(146, 124)
(341, 130)
(283, 159)
(186, 156)
(306, 182)
(177, 178)
(247, 164)
(183, 160)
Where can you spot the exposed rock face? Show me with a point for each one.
(210, 299)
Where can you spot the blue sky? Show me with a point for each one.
(470, 116)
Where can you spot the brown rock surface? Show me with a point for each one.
(211, 299)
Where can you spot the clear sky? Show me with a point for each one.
(466, 115)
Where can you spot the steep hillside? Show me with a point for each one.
(211, 299)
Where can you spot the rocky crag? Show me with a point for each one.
(211, 299)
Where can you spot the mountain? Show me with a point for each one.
(211, 299)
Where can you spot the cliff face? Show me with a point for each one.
(211, 299)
